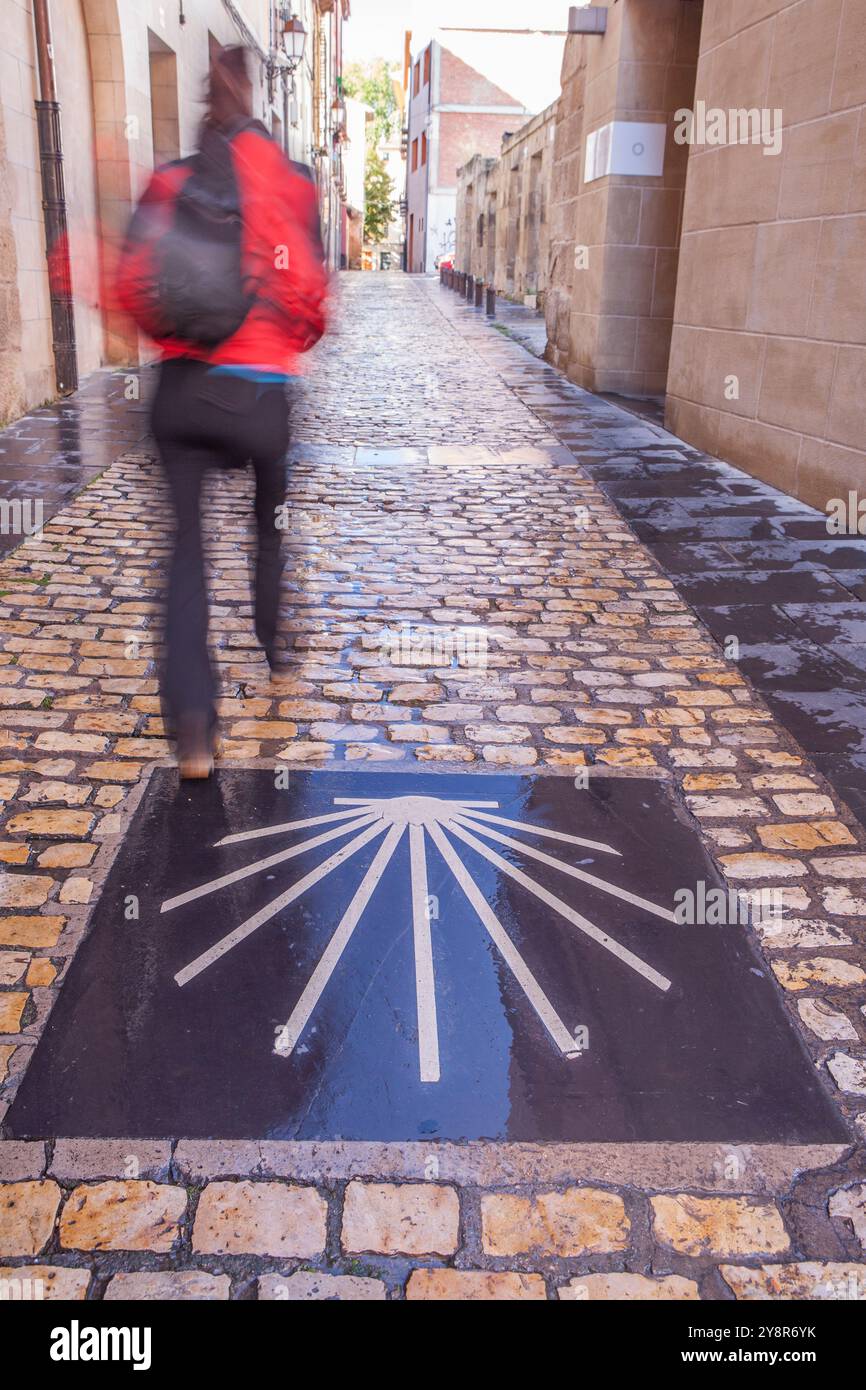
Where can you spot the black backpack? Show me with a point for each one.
(190, 280)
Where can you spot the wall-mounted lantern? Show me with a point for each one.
(294, 41)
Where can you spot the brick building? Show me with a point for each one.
(454, 112)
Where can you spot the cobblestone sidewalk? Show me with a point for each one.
(430, 496)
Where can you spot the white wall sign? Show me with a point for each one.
(625, 147)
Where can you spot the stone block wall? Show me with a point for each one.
(614, 240)
(768, 364)
(503, 208)
(105, 83)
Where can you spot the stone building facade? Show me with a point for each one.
(706, 231)
(502, 222)
(453, 111)
(130, 78)
(768, 363)
(614, 236)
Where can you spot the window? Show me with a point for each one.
(426, 65)
(163, 100)
(423, 149)
(417, 83)
(414, 155)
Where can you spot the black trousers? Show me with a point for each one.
(203, 420)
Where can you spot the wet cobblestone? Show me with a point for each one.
(462, 592)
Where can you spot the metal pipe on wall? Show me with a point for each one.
(54, 207)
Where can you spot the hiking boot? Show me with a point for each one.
(196, 747)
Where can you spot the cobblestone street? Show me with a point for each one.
(465, 597)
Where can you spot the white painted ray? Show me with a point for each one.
(562, 908)
(385, 800)
(285, 827)
(259, 865)
(287, 1038)
(425, 983)
(509, 952)
(309, 880)
(542, 830)
(569, 869)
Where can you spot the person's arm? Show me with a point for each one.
(278, 204)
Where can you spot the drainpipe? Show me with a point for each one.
(54, 208)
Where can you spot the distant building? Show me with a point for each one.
(354, 164)
(503, 225)
(388, 255)
(454, 112)
(467, 87)
(130, 80)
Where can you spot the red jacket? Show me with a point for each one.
(281, 244)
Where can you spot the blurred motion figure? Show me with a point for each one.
(223, 266)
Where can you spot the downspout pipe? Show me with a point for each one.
(54, 208)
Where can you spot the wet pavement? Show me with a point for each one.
(454, 957)
(756, 564)
(761, 571)
(50, 454)
(469, 616)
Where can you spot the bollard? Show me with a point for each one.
(479, 293)
(470, 288)
(449, 279)
(491, 301)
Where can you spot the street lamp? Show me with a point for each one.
(338, 112)
(294, 40)
(287, 59)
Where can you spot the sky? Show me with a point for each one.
(376, 27)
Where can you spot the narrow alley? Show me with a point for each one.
(504, 1052)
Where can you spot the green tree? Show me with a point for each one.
(378, 198)
(373, 84)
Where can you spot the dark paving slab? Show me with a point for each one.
(526, 326)
(671, 528)
(216, 1015)
(756, 564)
(52, 453)
(844, 555)
(650, 408)
(762, 587)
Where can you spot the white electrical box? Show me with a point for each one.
(625, 147)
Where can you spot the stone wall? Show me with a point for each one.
(111, 57)
(564, 191)
(614, 238)
(503, 212)
(11, 380)
(21, 175)
(768, 367)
